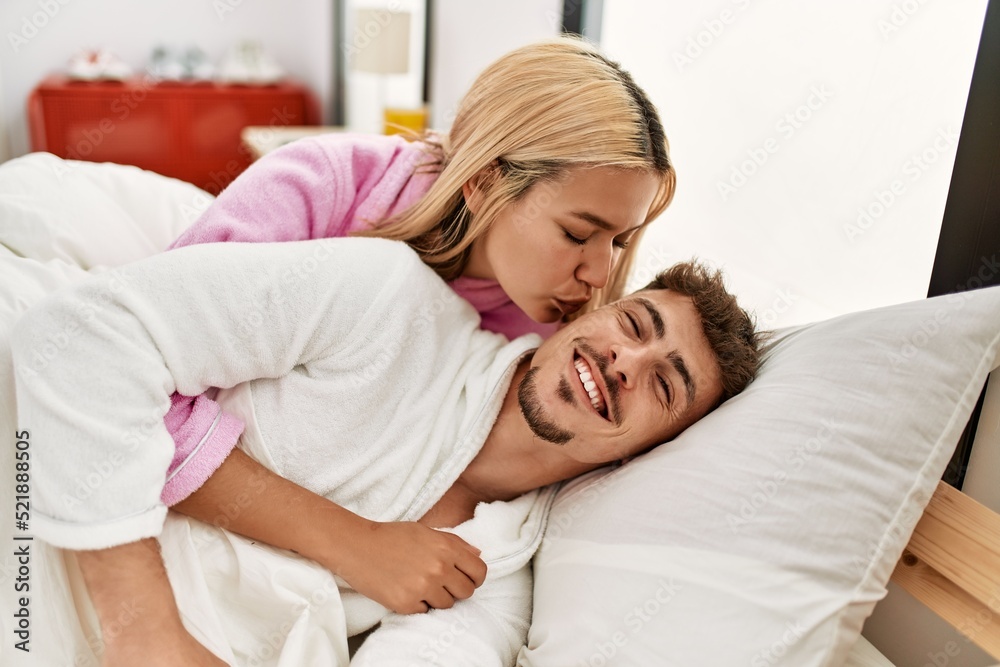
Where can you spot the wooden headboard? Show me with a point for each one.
(952, 565)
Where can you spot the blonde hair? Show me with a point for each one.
(531, 115)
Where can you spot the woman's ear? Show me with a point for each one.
(472, 194)
(473, 189)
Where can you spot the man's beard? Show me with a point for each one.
(534, 414)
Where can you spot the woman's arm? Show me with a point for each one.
(314, 188)
(403, 566)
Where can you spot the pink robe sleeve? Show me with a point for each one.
(312, 188)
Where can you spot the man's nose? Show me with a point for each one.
(627, 362)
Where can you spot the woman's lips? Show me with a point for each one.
(568, 307)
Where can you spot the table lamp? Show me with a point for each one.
(387, 53)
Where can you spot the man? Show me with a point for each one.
(363, 379)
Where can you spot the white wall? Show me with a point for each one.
(298, 32)
(790, 120)
(468, 36)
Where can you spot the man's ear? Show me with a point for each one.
(473, 189)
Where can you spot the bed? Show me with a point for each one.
(952, 565)
(763, 535)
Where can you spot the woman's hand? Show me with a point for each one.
(410, 568)
(404, 566)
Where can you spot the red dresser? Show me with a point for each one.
(188, 131)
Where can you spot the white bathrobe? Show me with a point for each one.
(360, 376)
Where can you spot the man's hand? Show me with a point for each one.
(409, 567)
(132, 576)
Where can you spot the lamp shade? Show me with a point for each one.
(384, 44)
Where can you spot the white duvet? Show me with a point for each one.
(58, 220)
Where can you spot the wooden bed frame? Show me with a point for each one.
(952, 565)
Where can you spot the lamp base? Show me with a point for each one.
(399, 120)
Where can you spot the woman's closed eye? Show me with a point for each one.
(573, 238)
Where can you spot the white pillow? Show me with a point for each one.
(765, 534)
(91, 214)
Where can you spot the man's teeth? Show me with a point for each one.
(589, 385)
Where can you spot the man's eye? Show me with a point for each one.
(666, 389)
(635, 324)
(574, 239)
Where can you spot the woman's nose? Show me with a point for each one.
(595, 269)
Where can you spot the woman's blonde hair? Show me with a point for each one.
(531, 115)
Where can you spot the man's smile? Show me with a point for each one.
(589, 382)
